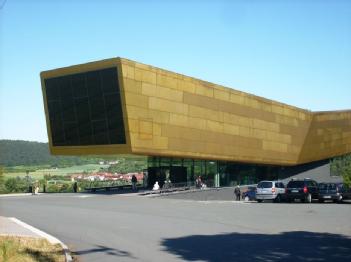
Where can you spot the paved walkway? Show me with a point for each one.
(11, 226)
(8, 226)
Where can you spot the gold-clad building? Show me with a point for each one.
(118, 106)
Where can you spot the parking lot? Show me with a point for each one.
(117, 227)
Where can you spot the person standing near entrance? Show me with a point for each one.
(156, 186)
(134, 182)
(237, 193)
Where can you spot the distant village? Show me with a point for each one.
(106, 176)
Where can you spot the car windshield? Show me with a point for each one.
(326, 186)
(296, 184)
(264, 184)
(332, 186)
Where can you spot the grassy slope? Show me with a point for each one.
(27, 249)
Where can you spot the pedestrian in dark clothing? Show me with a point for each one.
(75, 187)
(198, 182)
(237, 193)
(134, 182)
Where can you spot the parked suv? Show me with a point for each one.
(270, 190)
(329, 191)
(305, 190)
(344, 190)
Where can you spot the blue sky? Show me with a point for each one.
(296, 52)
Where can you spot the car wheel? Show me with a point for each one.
(340, 199)
(259, 200)
(308, 198)
(278, 199)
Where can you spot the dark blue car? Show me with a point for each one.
(250, 194)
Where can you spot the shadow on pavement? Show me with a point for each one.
(112, 192)
(287, 246)
(104, 249)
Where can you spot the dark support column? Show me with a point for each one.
(205, 167)
(192, 170)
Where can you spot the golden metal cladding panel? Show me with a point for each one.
(169, 114)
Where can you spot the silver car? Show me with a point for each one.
(270, 190)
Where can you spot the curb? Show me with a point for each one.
(15, 194)
(50, 238)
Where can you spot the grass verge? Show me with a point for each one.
(27, 249)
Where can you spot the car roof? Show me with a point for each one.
(271, 181)
(302, 179)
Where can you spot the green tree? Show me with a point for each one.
(341, 166)
(2, 181)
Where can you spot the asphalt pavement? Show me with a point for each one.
(117, 227)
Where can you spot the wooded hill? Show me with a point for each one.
(26, 153)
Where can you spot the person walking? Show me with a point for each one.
(237, 193)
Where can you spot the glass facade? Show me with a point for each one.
(214, 173)
(85, 108)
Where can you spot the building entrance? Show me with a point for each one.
(174, 174)
(213, 173)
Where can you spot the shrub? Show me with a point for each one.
(16, 185)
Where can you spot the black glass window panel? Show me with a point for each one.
(112, 107)
(57, 130)
(107, 78)
(114, 135)
(93, 84)
(82, 110)
(54, 109)
(113, 123)
(79, 86)
(99, 112)
(85, 133)
(71, 132)
(68, 110)
(85, 108)
(52, 91)
(99, 130)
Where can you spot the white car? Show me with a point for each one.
(270, 190)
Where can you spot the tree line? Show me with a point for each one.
(26, 153)
(341, 166)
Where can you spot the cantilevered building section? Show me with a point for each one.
(120, 106)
